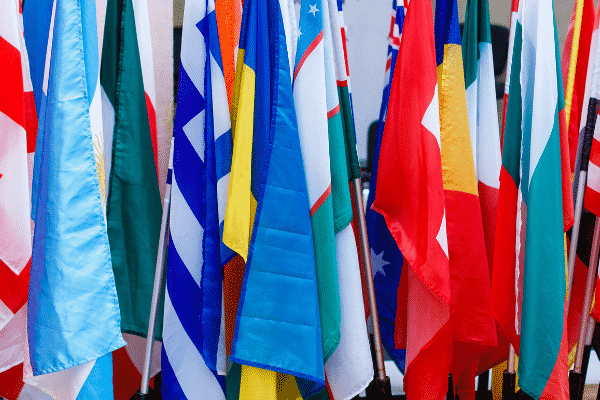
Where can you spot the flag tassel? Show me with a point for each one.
(381, 386)
(158, 276)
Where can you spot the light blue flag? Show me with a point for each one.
(73, 311)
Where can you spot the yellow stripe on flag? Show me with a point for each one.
(573, 62)
(497, 377)
(263, 384)
(458, 168)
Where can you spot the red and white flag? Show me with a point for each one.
(410, 196)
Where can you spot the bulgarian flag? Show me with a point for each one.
(410, 196)
(535, 208)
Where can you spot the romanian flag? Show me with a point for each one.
(410, 195)
(473, 326)
(535, 208)
(277, 323)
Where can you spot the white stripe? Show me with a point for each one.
(197, 382)
(193, 50)
(9, 23)
(194, 130)
(338, 46)
(186, 233)
(144, 38)
(221, 120)
(538, 73)
(221, 350)
(595, 84)
(286, 15)
(311, 109)
(442, 237)
(136, 350)
(13, 337)
(431, 118)
(49, 51)
(588, 80)
(472, 112)
(65, 384)
(511, 44)
(593, 178)
(333, 100)
(108, 124)
(222, 191)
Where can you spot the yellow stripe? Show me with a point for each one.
(458, 168)
(241, 206)
(573, 61)
(497, 377)
(262, 384)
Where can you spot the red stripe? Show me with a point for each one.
(309, 50)
(153, 134)
(31, 122)
(14, 288)
(332, 112)
(11, 82)
(343, 83)
(592, 201)
(595, 153)
(388, 64)
(11, 382)
(320, 201)
(515, 5)
(345, 50)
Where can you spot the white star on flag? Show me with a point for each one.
(378, 263)
(313, 10)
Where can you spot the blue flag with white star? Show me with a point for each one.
(385, 255)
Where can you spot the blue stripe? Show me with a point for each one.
(447, 29)
(224, 150)
(311, 24)
(170, 388)
(213, 39)
(189, 170)
(185, 296)
(99, 383)
(189, 100)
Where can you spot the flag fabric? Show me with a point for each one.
(386, 258)
(410, 195)
(193, 336)
(67, 189)
(473, 326)
(277, 325)
(229, 21)
(350, 368)
(313, 125)
(578, 68)
(15, 209)
(133, 210)
(529, 282)
(511, 44)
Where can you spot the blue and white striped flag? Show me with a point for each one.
(193, 357)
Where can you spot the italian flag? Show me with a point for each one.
(535, 207)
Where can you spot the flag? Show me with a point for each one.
(386, 258)
(410, 196)
(473, 326)
(67, 204)
(15, 208)
(511, 44)
(277, 325)
(133, 210)
(529, 282)
(577, 67)
(485, 140)
(193, 336)
(229, 21)
(313, 112)
(350, 368)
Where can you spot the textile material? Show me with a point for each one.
(412, 202)
(133, 210)
(277, 326)
(473, 326)
(68, 204)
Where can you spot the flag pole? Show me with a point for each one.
(383, 388)
(509, 377)
(576, 377)
(158, 276)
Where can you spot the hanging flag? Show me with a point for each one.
(15, 209)
(410, 195)
(133, 210)
(229, 21)
(67, 188)
(511, 44)
(277, 325)
(534, 208)
(386, 258)
(193, 336)
(473, 326)
(577, 67)
(313, 121)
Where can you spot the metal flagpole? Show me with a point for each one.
(158, 275)
(382, 389)
(576, 377)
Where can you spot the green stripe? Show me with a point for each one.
(476, 30)
(340, 191)
(544, 287)
(511, 152)
(134, 210)
(349, 132)
(327, 277)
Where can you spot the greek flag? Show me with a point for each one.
(193, 357)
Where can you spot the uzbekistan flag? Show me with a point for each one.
(473, 326)
(277, 325)
(535, 207)
(410, 195)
